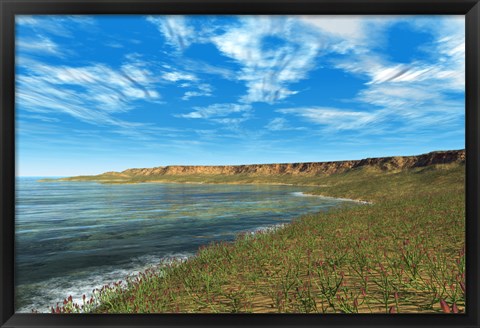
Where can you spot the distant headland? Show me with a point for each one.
(231, 173)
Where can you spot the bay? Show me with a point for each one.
(73, 237)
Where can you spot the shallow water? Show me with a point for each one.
(72, 237)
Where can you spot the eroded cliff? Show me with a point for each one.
(311, 168)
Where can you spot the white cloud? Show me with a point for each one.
(26, 20)
(175, 29)
(447, 51)
(401, 73)
(337, 119)
(276, 52)
(231, 122)
(136, 73)
(59, 25)
(114, 44)
(92, 94)
(277, 124)
(175, 76)
(346, 27)
(269, 68)
(203, 67)
(280, 124)
(113, 89)
(191, 94)
(397, 96)
(227, 116)
(351, 34)
(204, 90)
(216, 110)
(417, 95)
(40, 45)
(416, 118)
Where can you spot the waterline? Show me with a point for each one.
(73, 237)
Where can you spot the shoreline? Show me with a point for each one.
(360, 201)
(305, 194)
(328, 235)
(169, 260)
(261, 229)
(120, 182)
(113, 182)
(157, 268)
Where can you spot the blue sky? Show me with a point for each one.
(102, 93)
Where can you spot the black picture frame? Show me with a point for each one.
(10, 8)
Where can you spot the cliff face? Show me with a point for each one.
(312, 168)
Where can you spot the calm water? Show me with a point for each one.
(72, 237)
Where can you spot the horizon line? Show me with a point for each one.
(212, 165)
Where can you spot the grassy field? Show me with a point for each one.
(404, 253)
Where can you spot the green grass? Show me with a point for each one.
(202, 178)
(402, 254)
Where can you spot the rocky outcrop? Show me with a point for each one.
(312, 168)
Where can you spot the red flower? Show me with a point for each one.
(455, 308)
(444, 306)
(462, 286)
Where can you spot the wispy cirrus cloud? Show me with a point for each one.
(92, 94)
(203, 90)
(267, 85)
(442, 72)
(229, 116)
(398, 96)
(216, 111)
(417, 117)
(401, 73)
(351, 28)
(334, 118)
(414, 95)
(352, 34)
(346, 32)
(175, 30)
(267, 70)
(39, 45)
(206, 68)
(281, 124)
(63, 25)
(402, 88)
(176, 75)
(167, 75)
